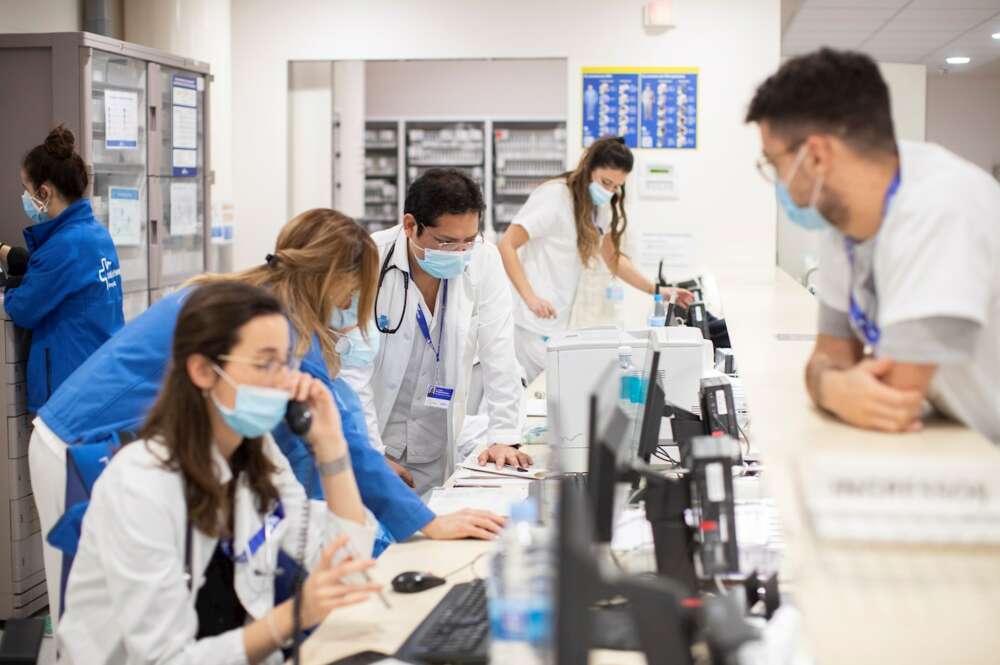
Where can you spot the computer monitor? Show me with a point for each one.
(646, 428)
(657, 607)
(609, 427)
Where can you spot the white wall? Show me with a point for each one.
(963, 115)
(41, 16)
(472, 88)
(310, 114)
(734, 42)
(349, 90)
(198, 29)
(798, 249)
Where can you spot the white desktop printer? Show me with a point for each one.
(578, 359)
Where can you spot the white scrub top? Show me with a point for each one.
(930, 282)
(412, 423)
(550, 258)
(128, 600)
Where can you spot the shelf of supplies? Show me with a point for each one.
(513, 155)
(380, 202)
(451, 163)
(381, 146)
(381, 175)
(379, 220)
(447, 145)
(525, 174)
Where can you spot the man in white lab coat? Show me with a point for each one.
(443, 301)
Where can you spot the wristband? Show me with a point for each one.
(334, 467)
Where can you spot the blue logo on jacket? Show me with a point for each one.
(108, 273)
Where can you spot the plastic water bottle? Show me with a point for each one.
(630, 391)
(520, 590)
(658, 318)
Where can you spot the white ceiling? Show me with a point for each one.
(909, 31)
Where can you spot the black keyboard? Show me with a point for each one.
(456, 631)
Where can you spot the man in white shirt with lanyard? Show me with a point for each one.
(443, 301)
(909, 280)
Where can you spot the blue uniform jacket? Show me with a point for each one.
(114, 389)
(70, 297)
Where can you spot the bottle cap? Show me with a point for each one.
(624, 350)
(657, 297)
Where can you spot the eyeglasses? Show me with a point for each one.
(271, 367)
(766, 168)
(455, 246)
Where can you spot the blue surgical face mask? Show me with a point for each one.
(807, 217)
(35, 212)
(354, 350)
(345, 318)
(599, 195)
(257, 411)
(444, 265)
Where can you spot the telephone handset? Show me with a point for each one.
(299, 418)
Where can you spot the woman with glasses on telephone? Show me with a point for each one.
(442, 301)
(178, 553)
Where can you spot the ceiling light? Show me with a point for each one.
(958, 60)
(995, 35)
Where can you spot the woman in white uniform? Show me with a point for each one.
(179, 549)
(562, 226)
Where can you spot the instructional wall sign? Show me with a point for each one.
(651, 107)
(184, 96)
(124, 216)
(121, 119)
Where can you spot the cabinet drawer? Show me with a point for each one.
(18, 435)
(17, 398)
(20, 483)
(15, 343)
(24, 518)
(14, 372)
(27, 556)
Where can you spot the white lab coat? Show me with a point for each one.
(478, 323)
(127, 600)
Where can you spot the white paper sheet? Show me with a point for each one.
(124, 216)
(121, 119)
(183, 208)
(185, 158)
(185, 127)
(496, 501)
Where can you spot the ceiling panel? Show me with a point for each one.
(914, 31)
(958, 20)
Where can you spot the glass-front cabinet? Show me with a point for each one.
(118, 154)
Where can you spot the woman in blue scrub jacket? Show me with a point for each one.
(70, 296)
(323, 269)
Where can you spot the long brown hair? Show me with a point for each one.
(209, 324)
(608, 152)
(321, 257)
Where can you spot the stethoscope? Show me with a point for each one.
(382, 322)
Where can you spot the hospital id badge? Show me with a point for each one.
(439, 397)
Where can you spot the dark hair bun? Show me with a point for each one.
(59, 143)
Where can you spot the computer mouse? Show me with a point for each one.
(413, 582)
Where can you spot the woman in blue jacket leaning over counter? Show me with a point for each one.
(324, 267)
(70, 295)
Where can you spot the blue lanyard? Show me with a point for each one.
(258, 539)
(862, 322)
(426, 331)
